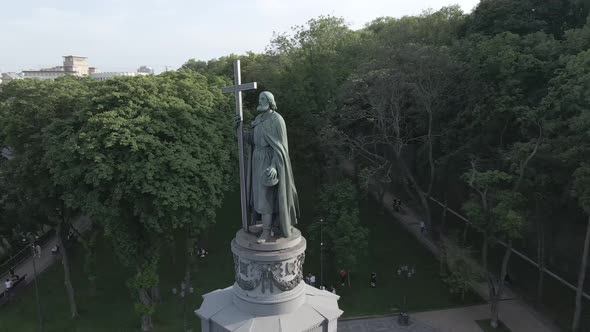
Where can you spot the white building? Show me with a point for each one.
(44, 74)
(146, 69)
(7, 77)
(72, 65)
(108, 75)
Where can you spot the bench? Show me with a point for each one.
(15, 284)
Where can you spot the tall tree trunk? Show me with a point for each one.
(540, 259)
(67, 277)
(484, 252)
(495, 307)
(581, 277)
(430, 157)
(381, 197)
(146, 317)
(465, 229)
(442, 267)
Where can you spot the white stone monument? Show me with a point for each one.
(269, 293)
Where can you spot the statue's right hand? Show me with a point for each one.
(238, 120)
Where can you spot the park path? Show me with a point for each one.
(46, 259)
(514, 312)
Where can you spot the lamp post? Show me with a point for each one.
(406, 272)
(33, 252)
(321, 253)
(184, 289)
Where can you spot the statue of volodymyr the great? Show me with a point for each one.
(271, 190)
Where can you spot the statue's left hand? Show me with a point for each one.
(271, 172)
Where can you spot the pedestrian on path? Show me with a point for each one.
(8, 290)
(37, 250)
(343, 276)
(422, 228)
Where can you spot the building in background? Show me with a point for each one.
(146, 69)
(45, 73)
(76, 65)
(7, 77)
(111, 74)
(72, 65)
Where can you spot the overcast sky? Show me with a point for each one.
(121, 35)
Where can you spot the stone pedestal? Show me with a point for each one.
(269, 293)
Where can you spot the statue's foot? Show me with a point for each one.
(265, 236)
(255, 229)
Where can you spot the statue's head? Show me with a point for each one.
(266, 101)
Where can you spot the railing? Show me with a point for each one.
(516, 252)
(22, 255)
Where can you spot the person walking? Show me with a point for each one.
(422, 228)
(8, 289)
(38, 251)
(373, 279)
(333, 289)
(343, 276)
(312, 280)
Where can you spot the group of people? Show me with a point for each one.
(202, 252)
(10, 281)
(397, 204)
(310, 279)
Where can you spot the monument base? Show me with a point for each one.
(318, 313)
(269, 293)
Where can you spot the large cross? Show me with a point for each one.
(237, 90)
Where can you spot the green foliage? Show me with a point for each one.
(582, 185)
(495, 208)
(464, 272)
(344, 237)
(524, 16)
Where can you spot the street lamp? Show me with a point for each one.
(406, 272)
(321, 253)
(32, 245)
(184, 289)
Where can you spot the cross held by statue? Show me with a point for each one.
(237, 89)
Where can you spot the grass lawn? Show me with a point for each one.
(111, 308)
(485, 326)
(389, 247)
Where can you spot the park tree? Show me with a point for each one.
(28, 108)
(582, 188)
(345, 238)
(496, 210)
(463, 272)
(492, 17)
(149, 156)
(568, 127)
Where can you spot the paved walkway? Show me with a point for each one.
(515, 313)
(382, 324)
(46, 259)
(516, 316)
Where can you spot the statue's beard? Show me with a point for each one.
(262, 108)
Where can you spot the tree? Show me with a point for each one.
(569, 134)
(464, 273)
(497, 210)
(491, 17)
(344, 236)
(28, 108)
(149, 155)
(582, 186)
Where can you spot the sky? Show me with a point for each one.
(121, 35)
